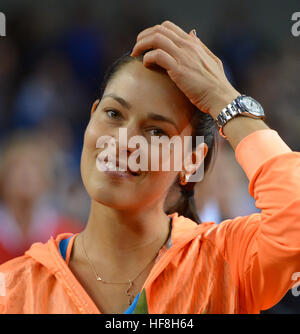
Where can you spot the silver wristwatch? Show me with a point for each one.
(242, 105)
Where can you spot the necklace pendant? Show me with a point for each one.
(130, 299)
(99, 278)
(130, 286)
(130, 296)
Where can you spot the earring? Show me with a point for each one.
(95, 105)
(183, 179)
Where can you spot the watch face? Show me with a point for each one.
(251, 106)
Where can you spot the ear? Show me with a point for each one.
(198, 156)
(94, 107)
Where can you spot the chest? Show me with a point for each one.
(109, 298)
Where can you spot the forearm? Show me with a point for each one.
(262, 246)
(241, 127)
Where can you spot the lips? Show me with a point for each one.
(120, 167)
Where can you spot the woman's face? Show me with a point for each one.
(144, 93)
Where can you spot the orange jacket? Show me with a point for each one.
(242, 265)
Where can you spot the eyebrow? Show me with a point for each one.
(119, 99)
(158, 117)
(127, 105)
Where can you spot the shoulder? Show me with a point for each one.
(219, 235)
(239, 224)
(15, 275)
(17, 266)
(28, 277)
(184, 230)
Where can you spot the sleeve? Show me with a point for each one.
(263, 249)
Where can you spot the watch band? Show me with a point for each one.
(232, 110)
(225, 115)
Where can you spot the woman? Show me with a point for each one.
(134, 257)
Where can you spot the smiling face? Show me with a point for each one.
(146, 103)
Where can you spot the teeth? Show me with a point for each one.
(111, 166)
(105, 166)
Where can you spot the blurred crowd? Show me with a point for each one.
(48, 81)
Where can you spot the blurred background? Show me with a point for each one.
(51, 65)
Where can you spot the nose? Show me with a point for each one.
(124, 136)
(118, 142)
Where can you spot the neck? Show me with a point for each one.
(123, 237)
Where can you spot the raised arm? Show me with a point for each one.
(196, 71)
(262, 250)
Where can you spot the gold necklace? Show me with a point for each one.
(129, 283)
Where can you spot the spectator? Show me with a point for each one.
(27, 214)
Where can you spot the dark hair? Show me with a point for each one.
(202, 124)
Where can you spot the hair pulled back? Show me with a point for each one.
(202, 125)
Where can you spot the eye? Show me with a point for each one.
(111, 113)
(159, 132)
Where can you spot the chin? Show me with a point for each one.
(112, 198)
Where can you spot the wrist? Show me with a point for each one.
(223, 100)
(240, 127)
